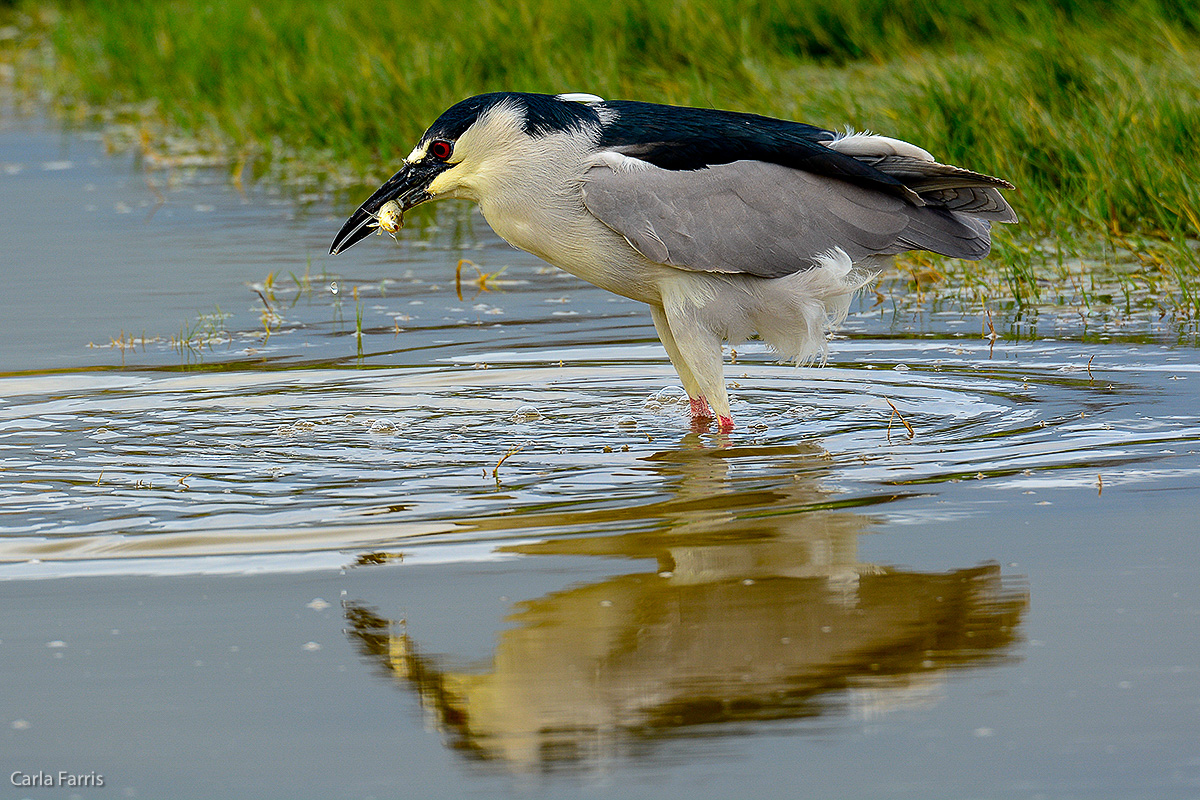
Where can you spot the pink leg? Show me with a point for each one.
(724, 424)
(700, 408)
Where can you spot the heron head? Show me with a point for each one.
(468, 151)
(426, 174)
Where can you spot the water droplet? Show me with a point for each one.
(333, 287)
(382, 426)
(526, 414)
(671, 394)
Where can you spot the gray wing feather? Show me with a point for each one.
(977, 201)
(764, 219)
(951, 187)
(943, 231)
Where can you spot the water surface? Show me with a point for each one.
(275, 524)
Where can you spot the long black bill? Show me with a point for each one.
(406, 187)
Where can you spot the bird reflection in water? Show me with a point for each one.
(757, 609)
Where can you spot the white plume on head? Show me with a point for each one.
(580, 97)
(619, 162)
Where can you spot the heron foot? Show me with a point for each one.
(724, 423)
(700, 409)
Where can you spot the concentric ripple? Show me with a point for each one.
(294, 462)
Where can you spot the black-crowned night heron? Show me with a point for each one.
(726, 224)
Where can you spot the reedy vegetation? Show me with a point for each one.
(1091, 107)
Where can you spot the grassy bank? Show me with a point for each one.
(1091, 108)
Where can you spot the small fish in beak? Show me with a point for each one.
(390, 218)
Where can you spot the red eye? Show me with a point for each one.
(440, 150)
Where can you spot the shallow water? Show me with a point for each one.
(479, 550)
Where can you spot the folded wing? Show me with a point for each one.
(768, 220)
